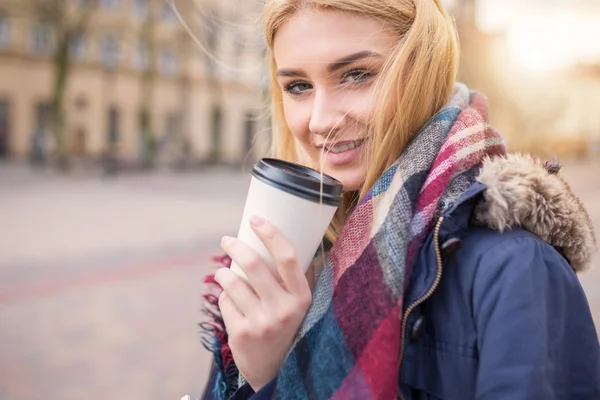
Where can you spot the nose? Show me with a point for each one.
(325, 117)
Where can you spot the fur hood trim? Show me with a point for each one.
(522, 192)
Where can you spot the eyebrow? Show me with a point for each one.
(334, 66)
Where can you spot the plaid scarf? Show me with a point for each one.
(348, 346)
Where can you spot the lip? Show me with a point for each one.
(327, 146)
(345, 157)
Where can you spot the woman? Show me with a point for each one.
(450, 269)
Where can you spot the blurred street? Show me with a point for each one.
(100, 278)
(100, 281)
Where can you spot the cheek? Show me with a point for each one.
(297, 119)
(360, 105)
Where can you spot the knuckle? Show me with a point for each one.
(289, 258)
(305, 300)
(241, 333)
(266, 329)
(252, 264)
(286, 314)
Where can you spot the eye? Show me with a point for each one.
(297, 88)
(357, 76)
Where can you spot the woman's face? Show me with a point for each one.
(326, 65)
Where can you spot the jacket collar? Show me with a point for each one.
(457, 216)
(518, 191)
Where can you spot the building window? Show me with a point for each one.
(140, 9)
(167, 13)
(113, 127)
(249, 131)
(83, 2)
(110, 51)
(42, 117)
(215, 125)
(4, 128)
(141, 56)
(41, 38)
(77, 47)
(4, 30)
(111, 5)
(168, 62)
(79, 142)
(172, 125)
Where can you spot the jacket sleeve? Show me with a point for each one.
(245, 392)
(535, 332)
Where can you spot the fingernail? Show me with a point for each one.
(225, 240)
(256, 221)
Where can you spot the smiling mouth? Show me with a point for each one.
(340, 148)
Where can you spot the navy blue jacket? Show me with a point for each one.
(491, 315)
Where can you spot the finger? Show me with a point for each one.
(284, 255)
(238, 290)
(232, 316)
(260, 277)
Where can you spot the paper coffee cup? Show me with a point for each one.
(298, 200)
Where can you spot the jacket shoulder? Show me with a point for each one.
(527, 302)
(483, 246)
(480, 239)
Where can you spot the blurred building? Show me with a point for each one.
(205, 87)
(541, 98)
(135, 51)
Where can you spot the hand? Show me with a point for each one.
(262, 315)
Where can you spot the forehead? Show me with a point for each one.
(322, 36)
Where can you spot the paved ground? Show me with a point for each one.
(100, 280)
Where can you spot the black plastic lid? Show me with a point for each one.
(299, 180)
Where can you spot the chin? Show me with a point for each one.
(352, 178)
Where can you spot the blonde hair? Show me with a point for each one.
(417, 79)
